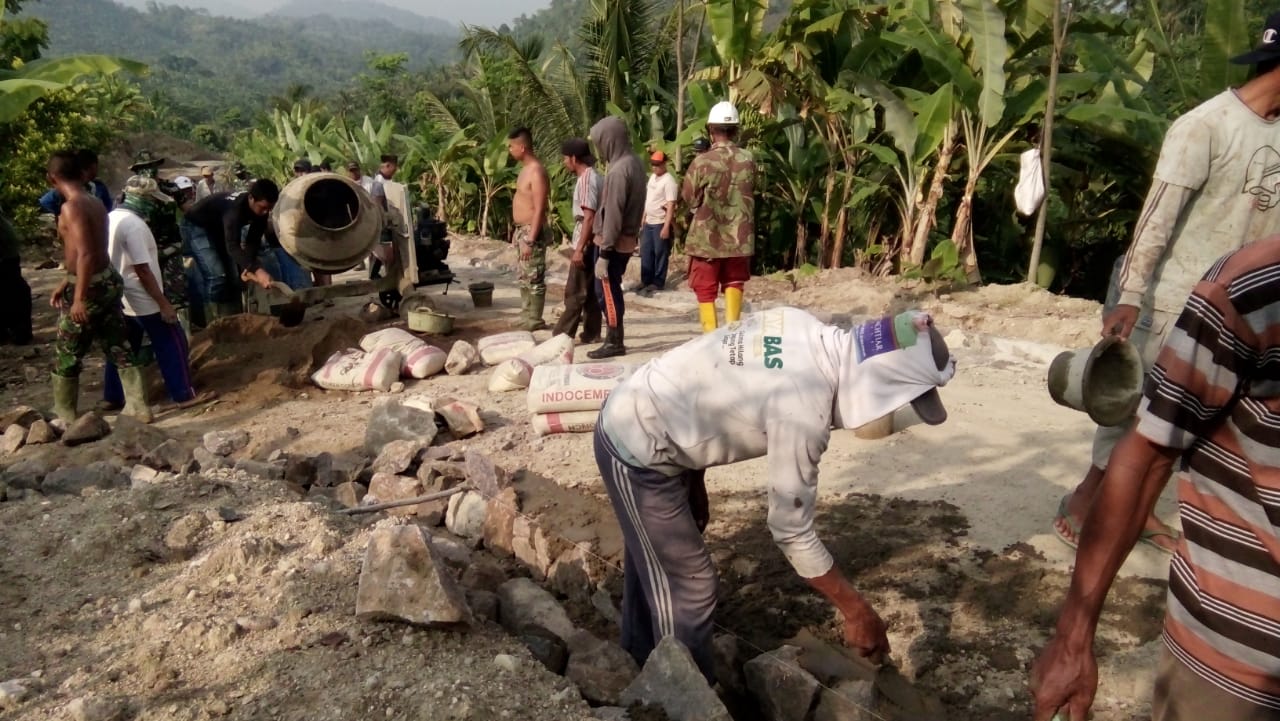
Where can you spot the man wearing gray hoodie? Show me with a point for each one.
(617, 224)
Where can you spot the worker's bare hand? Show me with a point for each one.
(261, 277)
(578, 259)
(665, 233)
(526, 252)
(1120, 321)
(79, 312)
(1063, 679)
(168, 313)
(58, 299)
(864, 632)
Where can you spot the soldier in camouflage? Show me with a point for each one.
(719, 189)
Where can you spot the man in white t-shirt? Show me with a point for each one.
(655, 236)
(386, 171)
(1216, 187)
(772, 384)
(132, 249)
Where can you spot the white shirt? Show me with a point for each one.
(770, 385)
(130, 243)
(661, 190)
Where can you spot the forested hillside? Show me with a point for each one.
(217, 70)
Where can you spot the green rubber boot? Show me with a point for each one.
(66, 393)
(135, 394)
(531, 318)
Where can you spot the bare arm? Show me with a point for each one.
(588, 230)
(151, 284)
(864, 630)
(540, 187)
(77, 238)
(1066, 674)
(671, 216)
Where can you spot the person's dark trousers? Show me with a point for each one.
(669, 584)
(15, 303)
(580, 301)
(654, 253)
(169, 344)
(613, 305)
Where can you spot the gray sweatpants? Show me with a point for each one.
(669, 583)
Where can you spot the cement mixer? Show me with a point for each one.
(328, 223)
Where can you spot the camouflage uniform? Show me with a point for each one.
(106, 325)
(719, 188)
(532, 273)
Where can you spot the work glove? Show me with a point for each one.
(602, 267)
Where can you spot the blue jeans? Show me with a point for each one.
(169, 344)
(284, 268)
(654, 252)
(217, 287)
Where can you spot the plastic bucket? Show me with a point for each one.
(481, 294)
(1104, 381)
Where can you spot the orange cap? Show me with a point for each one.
(658, 157)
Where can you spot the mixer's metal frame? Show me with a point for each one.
(400, 273)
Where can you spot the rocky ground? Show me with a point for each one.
(204, 567)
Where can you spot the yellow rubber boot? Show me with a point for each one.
(732, 304)
(707, 314)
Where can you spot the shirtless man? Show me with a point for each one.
(95, 290)
(529, 211)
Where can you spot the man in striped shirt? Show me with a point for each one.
(1213, 406)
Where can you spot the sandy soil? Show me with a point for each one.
(946, 528)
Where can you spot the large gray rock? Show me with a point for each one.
(462, 418)
(671, 680)
(550, 650)
(850, 701)
(601, 669)
(485, 477)
(350, 494)
(466, 514)
(500, 520)
(386, 488)
(208, 461)
(523, 603)
(75, 479)
(398, 457)
(403, 578)
(85, 429)
(171, 455)
(15, 436)
(224, 443)
(92, 708)
(25, 473)
(261, 469)
(400, 419)
(576, 573)
(335, 470)
(785, 691)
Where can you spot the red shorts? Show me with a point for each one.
(708, 276)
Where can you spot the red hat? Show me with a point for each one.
(658, 157)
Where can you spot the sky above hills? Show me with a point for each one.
(472, 12)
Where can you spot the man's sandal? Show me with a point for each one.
(1064, 515)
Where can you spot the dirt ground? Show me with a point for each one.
(947, 528)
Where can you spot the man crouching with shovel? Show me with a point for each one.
(773, 384)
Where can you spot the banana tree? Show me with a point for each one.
(496, 176)
(737, 33)
(799, 165)
(26, 83)
(443, 166)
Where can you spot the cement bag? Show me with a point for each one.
(354, 370)
(579, 387)
(495, 349)
(514, 375)
(546, 424)
(420, 360)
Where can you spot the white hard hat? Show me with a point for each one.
(723, 114)
(183, 182)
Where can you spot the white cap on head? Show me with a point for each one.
(723, 114)
(183, 183)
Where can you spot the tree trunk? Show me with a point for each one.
(927, 218)
(680, 79)
(484, 214)
(802, 241)
(962, 233)
(824, 237)
(842, 221)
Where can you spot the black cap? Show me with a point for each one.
(302, 165)
(391, 158)
(1268, 48)
(353, 165)
(702, 145)
(578, 149)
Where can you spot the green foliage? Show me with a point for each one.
(56, 122)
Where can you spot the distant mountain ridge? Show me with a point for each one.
(366, 10)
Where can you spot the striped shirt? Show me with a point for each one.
(1215, 395)
(586, 196)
